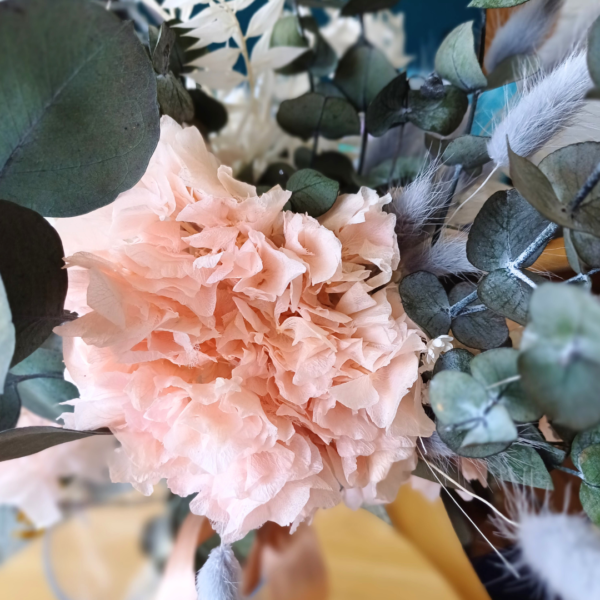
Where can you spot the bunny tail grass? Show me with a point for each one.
(220, 577)
(524, 32)
(547, 105)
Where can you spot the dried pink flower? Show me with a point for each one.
(255, 357)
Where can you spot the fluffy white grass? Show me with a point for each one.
(524, 32)
(547, 105)
(219, 578)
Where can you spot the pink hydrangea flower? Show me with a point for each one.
(258, 358)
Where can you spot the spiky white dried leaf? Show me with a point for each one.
(218, 80)
(524, 32)
(182, 3)
(547, 105)
(221, 59)
(264, 18)
(220, 577)
(276, 58)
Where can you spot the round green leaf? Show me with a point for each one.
(31, 267)
(590, 500)
(495, 366)
(313, 193)
(572, 256)
(7, 335)
(582, 441)
(587, 248)
(441, 115)
(470, 151)
(506, 294)
(589, 462)
(209, 114)
(521, 465)
(276, 174)
(174, 99)
(560, 358)
(84, 123)
(457, 359)
(454, 440)
(325, 59)
(505, 226)
(481, 330)
(333, 118)
(594, 52)
(388, 107)
(457, 61)
(362, 73)
(426, 303)
(287, 32)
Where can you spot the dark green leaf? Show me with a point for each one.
(406, 168)
(571, 252)
(589, 462)
(85, 123)
(506, 294)
(560, 355)
(594, 52)
(43, 395)
(552, 187)
(454, 440)
(181, 54)
(334, 165)
(31, 267)
(511, 69)
(590, 500)
(505, 226)
(457, 359)
(457, 62)
(7, 335)
(552, 456)
(426, 303)
(313, 193)
(333, 118)
(587, 247)
(521, 465)
(174, 99)
(582, 441)
(358, 7)
(362, 73)
(287, 32)
(470, 151)
(161, 52)
(208, 112)
(276, 174)
(388, 107)
(491, 368)
(495, 3)
(438, 115)
(10, 407)
(482, 330)
(24, 441)
(325, 60)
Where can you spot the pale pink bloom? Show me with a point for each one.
(33, 484)
(258, 358)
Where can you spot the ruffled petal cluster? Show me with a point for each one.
(255, 357)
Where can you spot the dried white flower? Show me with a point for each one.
(435, 348)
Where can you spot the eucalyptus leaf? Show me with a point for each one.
(405, 168)
(571, 252)
(209, 113)
(505, 226)
(590, 500)
(324, 59)
(10, 408)
(513, 68)
(362, 73)
(457, 359)
(388, 107)
(560, 355)
(288, 32)
(587, 247)
(566, 167)
(161, 52)
(481, 330)
(594, 52)
(181, 54)
(358, 7)
(85, 123)
(44, 394)
(31, 267)
(583, 440)
(312, 192)
(496, 3)
(277, 173)
(496, 366)
(333, 118)
(521, 465)
(470, 151)
(334, 165)
(589, 463)
(441, 115)
(454, 440)
(506, 294)
(7, 335)
(174, 99)
(456, 60)
(426, 303)
(24, 441)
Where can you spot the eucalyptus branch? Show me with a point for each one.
(582, 276)
(16, 379)
(541, 241)
(363, 147)
(456, 309)
(472, 310)
(586, 190)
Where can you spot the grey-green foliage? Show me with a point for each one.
(457, 359)
(520, 464)
(85, 122)
(439, 113)
(314, 113)
(585, 454)
(362, 73)
(594, 52)
(496, 3)
(7, 334)
(388, 107)
(470, 151)
(457, 61)
(174, 99)
(323, 59)
(31, 267)
(312, 192)
(38, 381)
(560, 355)
(23, 441)
(288, 32)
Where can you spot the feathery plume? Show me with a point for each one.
(524, 32)
(546, 106)
(219, 578)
